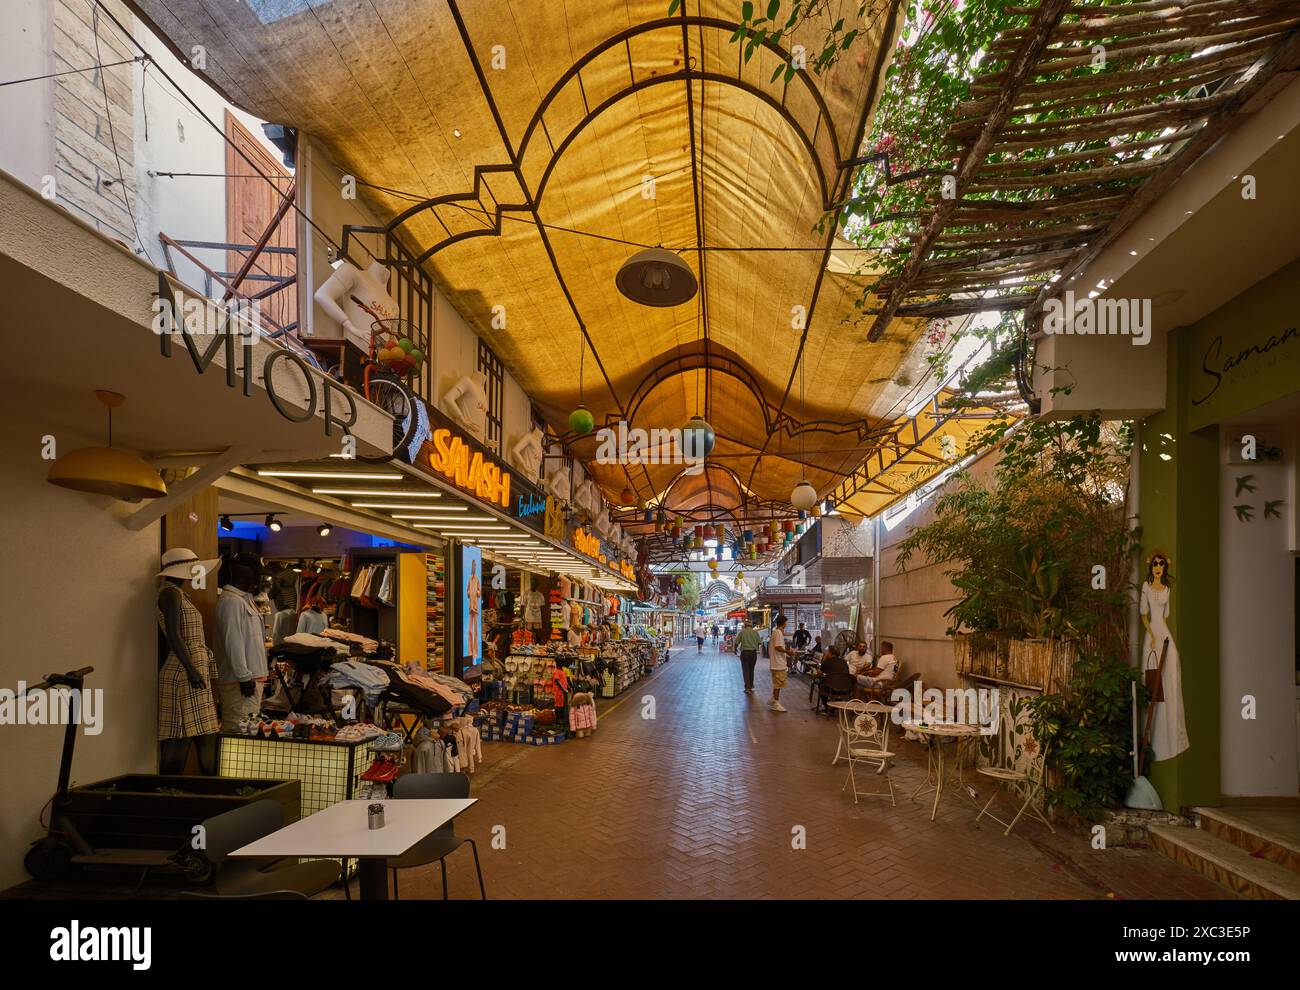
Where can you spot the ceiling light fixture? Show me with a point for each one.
(380, 492)
(107, 470)
(335, 475)
(227, 523)
(655, 277)
(324, 529)
(273, 524)
(402, 505)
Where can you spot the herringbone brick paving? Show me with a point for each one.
(703, 799)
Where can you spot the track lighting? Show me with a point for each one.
(273, 524)
(227, 524)
(323, 529)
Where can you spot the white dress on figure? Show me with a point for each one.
(1169, 727)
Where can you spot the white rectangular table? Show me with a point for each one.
(343, 830)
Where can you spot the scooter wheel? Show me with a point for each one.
(48, 859)
(195, 869)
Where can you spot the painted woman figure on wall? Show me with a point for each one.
(1168, 727)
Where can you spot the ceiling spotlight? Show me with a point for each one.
(655, 277)
(227, 524)
(323, 529)
(273, 524)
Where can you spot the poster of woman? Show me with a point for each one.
(471, 596)
(1167, 727)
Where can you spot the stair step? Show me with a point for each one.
(1272, 834)
(1225, 863)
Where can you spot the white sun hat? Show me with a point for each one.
(180, 562)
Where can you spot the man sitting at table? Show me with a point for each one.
(886, 668)
(832, 663)
(859, 658)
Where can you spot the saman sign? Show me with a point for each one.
(451, 456)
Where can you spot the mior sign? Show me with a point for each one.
(450, 455)
(222, 332)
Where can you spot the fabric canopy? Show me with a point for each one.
(559, 138)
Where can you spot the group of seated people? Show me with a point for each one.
(859, 662)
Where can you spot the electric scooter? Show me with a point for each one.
(53, 857)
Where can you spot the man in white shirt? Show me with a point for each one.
(859, 658)
(777, 652)
(886, 668)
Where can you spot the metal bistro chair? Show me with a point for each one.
(868, 743)
(225, 833)
(1026, 785)
(439, 845)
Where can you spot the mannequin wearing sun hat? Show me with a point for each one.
(187, 712)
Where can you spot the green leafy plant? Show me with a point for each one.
(1087, 734)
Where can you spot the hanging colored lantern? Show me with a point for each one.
(788, 525)
(713, 564)
(649, 515)
(817, 510)
(804, 496)
(740, 575)
(722, 534)
(749, 536)
(753, 553)
(776, 527)
(627, 496)
(698, 542)
(698, 438)
(699, 530)
(708, 532)
(581, 421)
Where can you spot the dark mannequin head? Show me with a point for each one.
(246, 572)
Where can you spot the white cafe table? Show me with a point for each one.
(342, 830)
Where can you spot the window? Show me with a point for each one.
(490, 365)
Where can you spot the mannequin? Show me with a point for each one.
(527, 454)
(241, 646)
(557, 482)
(531, 602)
(187, 714)
(467, 402)
(584, 496)
(347, 295)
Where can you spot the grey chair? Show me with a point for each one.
(227, 832)
(440, 844)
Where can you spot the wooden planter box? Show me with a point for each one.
(129, 812)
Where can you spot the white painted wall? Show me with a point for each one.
(171, 136)
(26, 110)
(79, 591)
(1257, 630)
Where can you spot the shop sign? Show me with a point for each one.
(587, 543)
(530, 504)
(1246, 354)
(223, 332)
(449, 454)
(556, 528)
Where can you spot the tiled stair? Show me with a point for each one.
(1235, 849)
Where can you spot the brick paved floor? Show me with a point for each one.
(701, 801)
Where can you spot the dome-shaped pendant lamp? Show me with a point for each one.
(107, 470)
(698, 437)
(655, 277)
(804, 496)
(581, 421)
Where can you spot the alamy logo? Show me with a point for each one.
(53, 706)
(1099, 317)
(199, 315)
(638, 446)
(970, 706)
(77, 944)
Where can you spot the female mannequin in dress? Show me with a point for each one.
(187, 712)
(473, 593)
(1168, 727)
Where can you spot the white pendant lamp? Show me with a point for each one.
(655, 277)
(804, 496)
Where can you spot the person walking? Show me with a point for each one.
(747, 644)
(777, 654)
(699, 638)
(715, 634)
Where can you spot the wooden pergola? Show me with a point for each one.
(1079, 121)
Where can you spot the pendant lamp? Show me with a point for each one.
(581, 421)
(107, 470)
(656, 277)
(698, 437)
(804, 496)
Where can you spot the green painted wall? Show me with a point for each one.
(1179, 506)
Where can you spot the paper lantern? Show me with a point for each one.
(713, 564)
(804, 496)
(788, 525)
(708, 532)
(581, 421)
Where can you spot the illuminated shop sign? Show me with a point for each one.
(587, 543)
(450, 455)
(530, 505)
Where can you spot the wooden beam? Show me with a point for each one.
(217, 466)
(1021, 68)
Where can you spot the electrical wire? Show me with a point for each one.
(72, 72)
